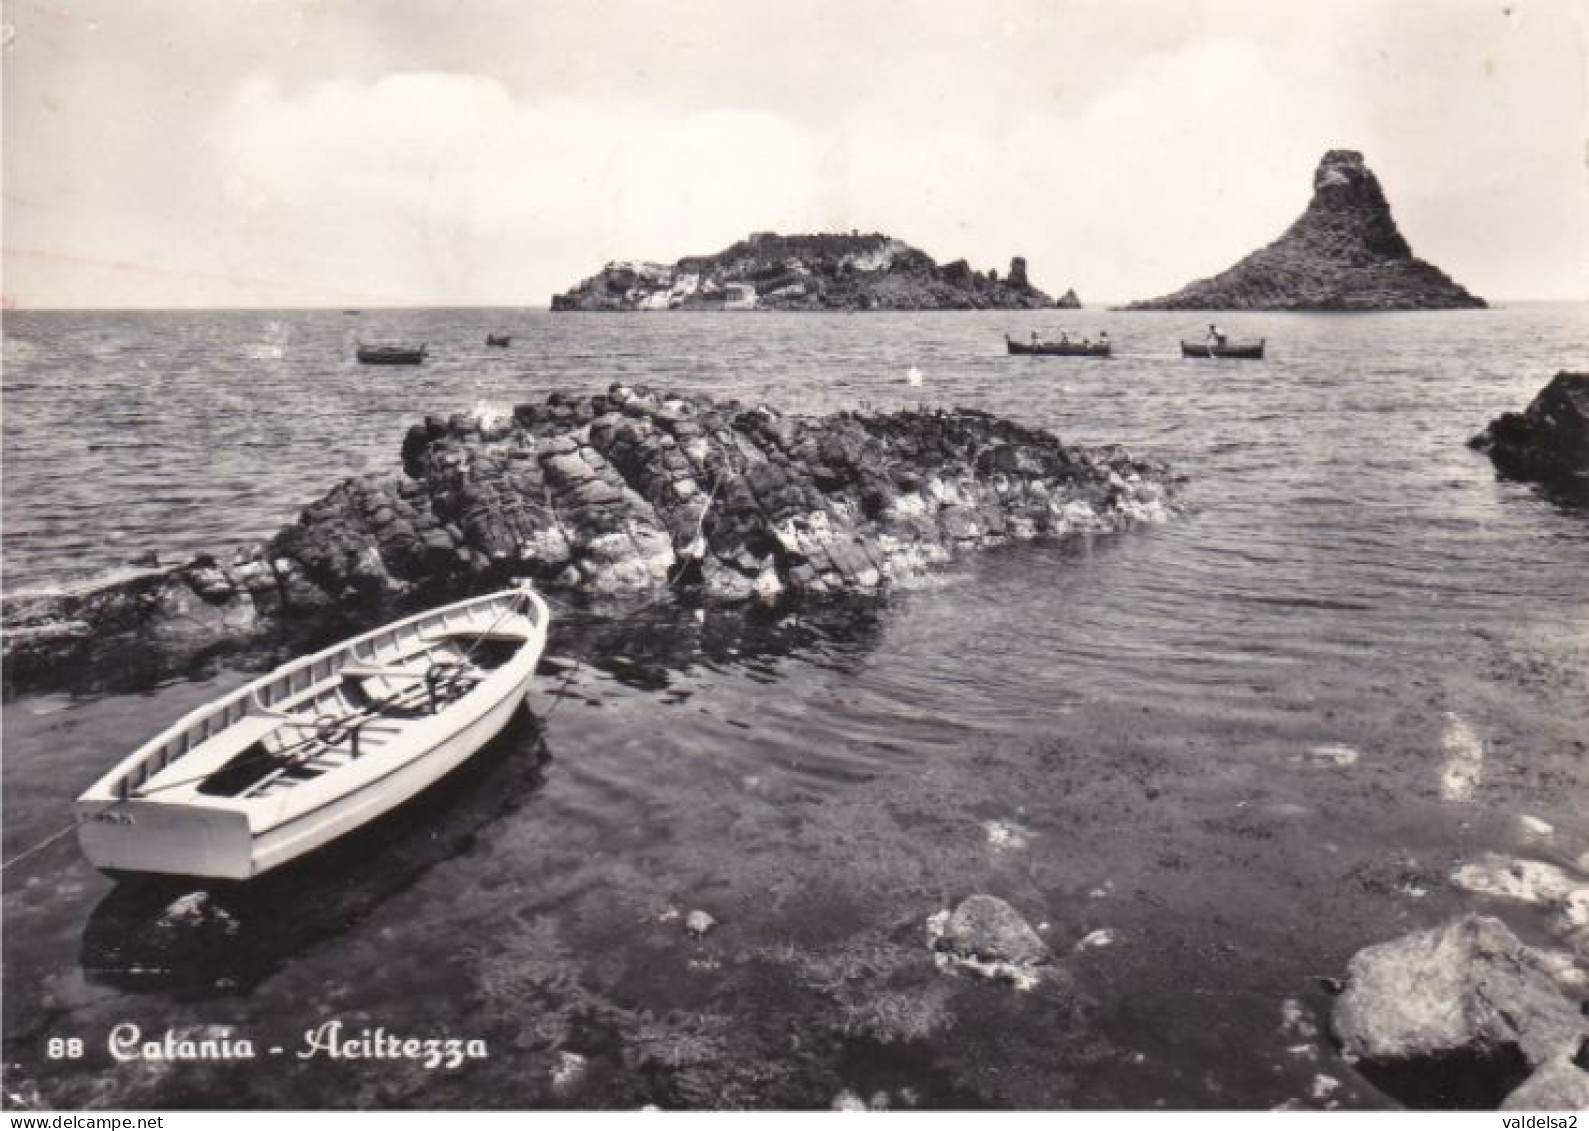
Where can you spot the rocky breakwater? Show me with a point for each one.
(1547, 442)
(824, 271)
(1344, 253)
(619, 493)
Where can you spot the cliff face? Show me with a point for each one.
(812, 272)
(1343, 254)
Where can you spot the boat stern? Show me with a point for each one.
(166, 839)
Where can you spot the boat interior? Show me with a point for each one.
(323, 713)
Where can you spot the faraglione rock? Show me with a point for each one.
(1344, 253)
(1549, 440)
(618, 493)
(824, 271)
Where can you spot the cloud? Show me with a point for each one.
(476, 154)
(446, 188)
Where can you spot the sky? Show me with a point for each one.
(295, 153)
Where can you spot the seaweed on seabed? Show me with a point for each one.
(531, 984)
(696, 1061)
(867, 990)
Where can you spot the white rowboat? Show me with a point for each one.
(318, 747)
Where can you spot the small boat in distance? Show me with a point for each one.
(1058, 349)
(1245, 351)
(319, 747)
(499, 339)
(391, 354)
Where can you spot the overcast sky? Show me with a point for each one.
(350, 153)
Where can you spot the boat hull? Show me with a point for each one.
(1055, 349)
(175, 840)
(177, 806)
(1234, 351)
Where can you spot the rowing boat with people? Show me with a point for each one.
(1057, 349)
(1244, 351)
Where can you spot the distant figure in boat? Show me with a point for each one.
(1034, 337)
(1216, 336)
(1064, 337)
(1103, 337)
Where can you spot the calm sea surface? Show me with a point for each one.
(1230, 742)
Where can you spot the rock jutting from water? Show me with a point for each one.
(1344, 253)
(825, 271)
(1547, 442)
(613, 494)
(1456, 1016)
(988, 937)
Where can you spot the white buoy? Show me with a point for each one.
(913, 376)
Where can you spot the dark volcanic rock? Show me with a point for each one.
(1548, 441)
(804, 272)
(1069, 301)
(614, 494)
(1454, 1016)
(1343, 254)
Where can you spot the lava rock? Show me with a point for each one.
(1548, 441)
(1455, 1015)
(988, 929)
(651, 491)
(1561, 1084)
(1344, 253)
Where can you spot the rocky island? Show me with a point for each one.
(1344, 253)
(827, 271)
(622, 492)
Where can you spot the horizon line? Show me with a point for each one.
(1117, 306)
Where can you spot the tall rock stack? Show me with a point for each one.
(1344, 253)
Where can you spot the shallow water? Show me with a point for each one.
(1230, 741)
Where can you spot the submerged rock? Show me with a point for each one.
(1530, 881)
(1549, 440)
(987, 936)
(612, 494)
(1344, 253)
(1455, 1016)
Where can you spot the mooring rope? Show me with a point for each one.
(41, 845)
